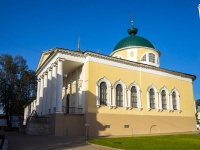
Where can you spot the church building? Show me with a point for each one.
(123, 94)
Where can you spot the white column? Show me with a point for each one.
(38, 95)
(49, 78)
(80, 93)
(41, 95)
(59, 86)
(53, 89)
(25, 115)
(77, 92)
(45, 94)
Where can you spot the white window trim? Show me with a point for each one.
(147, 59)
(156, 98)
(98, 91)
(167, 98)
(124, 94)
(138, 95)
(177, 102)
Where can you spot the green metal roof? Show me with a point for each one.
(133, 40)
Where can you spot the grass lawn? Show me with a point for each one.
(163, 142)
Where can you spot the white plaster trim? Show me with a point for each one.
(177, 100)
(135, 54)
(62, 54)
(135, 68)
(108, 91)
(147, 59)
(124, 92)
(138, 95)
(156, 97)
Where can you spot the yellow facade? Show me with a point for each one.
(115, 109)
(141, 121)
(113, 120)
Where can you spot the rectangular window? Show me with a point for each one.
(126, 126)
(107, 126)
(151, 57)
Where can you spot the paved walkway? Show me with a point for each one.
(19, 141)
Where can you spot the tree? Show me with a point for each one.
(17, 85)
(197, 103)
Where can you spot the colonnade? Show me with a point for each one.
(49, 89)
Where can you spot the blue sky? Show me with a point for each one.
(29, 27)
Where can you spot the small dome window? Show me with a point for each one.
(143, 58)
(151, 57)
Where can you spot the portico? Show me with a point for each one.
(58, 90)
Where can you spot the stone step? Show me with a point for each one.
(38, 126)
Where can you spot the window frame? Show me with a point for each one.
(138, 96)
(148, 61)
(119, 95)
(124, 94)
(152, 99)
(134, 98)
(164, 99)
(108, 96)
(155, 98)
(167, 99)
(152, 58)
(178, 107)
(103, 94)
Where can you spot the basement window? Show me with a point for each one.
(126, 126)
(107, 126)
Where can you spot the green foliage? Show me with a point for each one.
(164, 142)
(197, 103)
(17, 84)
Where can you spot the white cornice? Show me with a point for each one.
(137, 66)
(108, 60)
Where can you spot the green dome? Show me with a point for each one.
(133, 40)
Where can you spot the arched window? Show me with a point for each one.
(151, 57)
(174, 101)
(164, 99)
(144, 58)
(103, 94)
(119, 95)
(133, 97)
(152, 98)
